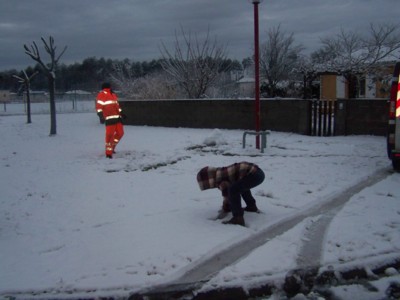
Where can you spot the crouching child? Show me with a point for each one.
(235, 182)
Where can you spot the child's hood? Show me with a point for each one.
(206, 178)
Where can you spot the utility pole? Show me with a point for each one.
(257, 72)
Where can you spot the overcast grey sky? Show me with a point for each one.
(134, 29)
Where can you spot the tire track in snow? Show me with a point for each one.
(309, 255)
(311, 251)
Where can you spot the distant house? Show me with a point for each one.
(78, 92)
(332, 86)
(370, 86)
(245, 87)
(245, 82)
(77, 95)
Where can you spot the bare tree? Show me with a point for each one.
(278, 58)
(124, 77)
(354, 56)
(49, 70)
(308, 74)
(194, 64)
(156, 85)
(26, 84)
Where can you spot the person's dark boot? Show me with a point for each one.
(239, 220)
(251, 208)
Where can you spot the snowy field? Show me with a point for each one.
(72, 221)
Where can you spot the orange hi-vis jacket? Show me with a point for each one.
(107, 103)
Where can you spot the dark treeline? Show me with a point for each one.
(88, 75)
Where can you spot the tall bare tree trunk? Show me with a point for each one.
(26, 81)
(53, 120)
(49, 70)
(28, 103)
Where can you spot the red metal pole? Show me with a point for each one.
(257, 73)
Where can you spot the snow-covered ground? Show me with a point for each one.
(73, 221)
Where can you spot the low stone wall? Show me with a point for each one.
(276, 115)
(361, 117)
(284, 115)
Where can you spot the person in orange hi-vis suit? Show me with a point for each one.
(107, 106)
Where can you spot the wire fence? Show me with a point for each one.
(62, 106)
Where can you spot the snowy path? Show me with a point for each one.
(308, 257)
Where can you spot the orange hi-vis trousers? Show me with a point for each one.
(114, 133)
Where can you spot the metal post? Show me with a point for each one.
(257, 72)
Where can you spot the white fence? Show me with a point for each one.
(62, 106)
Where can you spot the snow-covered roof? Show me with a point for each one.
(79, 92)
(246, 80)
